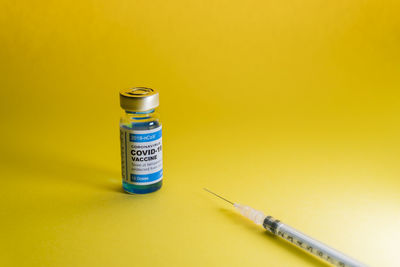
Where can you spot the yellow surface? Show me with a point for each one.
(290, 106)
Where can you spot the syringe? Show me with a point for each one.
(295, 237)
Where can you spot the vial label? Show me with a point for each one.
(141, 154)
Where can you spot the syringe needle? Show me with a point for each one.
(218, 196)
(294, 236)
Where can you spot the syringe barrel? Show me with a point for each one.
(309, 244)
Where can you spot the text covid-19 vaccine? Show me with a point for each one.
(141, 141)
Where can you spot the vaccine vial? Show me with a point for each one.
(141, 141)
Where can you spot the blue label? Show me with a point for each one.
(148, 137)
(145, 178)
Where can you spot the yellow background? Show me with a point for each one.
(290, 106)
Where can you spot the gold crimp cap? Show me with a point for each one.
(138, 99)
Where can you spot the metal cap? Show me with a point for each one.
(138, 99)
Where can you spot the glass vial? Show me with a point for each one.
(141, 141)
